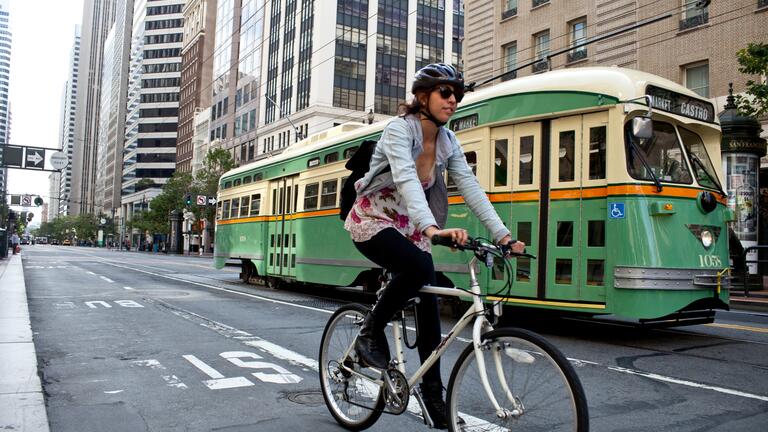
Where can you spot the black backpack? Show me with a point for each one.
(359, 164)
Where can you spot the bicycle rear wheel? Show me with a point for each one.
(532, 381)
(356, 403)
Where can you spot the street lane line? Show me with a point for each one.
(577, 361)
(92, 273)
(739, 327)
(688, 383)
(128, 288)
(107, 279)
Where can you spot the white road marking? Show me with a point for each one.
(91, 273)
(174, 381)
(657, 377)
(107, 279)
(217, 381)
(128, 288)
(577, 361)
(92, 304)
(114, 391)
(150, 363)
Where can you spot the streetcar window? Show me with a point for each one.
(451, 185)
(331, 157)
(258, 177)
(288, 199)
(524, 232)
(662, 153)
(218, 210)
(310, 196)
(699, 159)
(328, 198)
(595, 272)
(235, 208)
(349, 152)
(245, 203)
(566, 159)
(274, 201)
(225, 210)
(563, 271)
(255, 204)
(227, 184)
(596, 233)
(500, 162)
(526, 160)
(247, 179)
(597, 153)
(565, 234)
(523, 273)
(237, 182)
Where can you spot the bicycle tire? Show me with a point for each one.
(364, 401)
(537, 374)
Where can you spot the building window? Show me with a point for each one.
(537, 3)
(510, 9)
(541, 46)
(693, 15)
(510, 61)
(697, 78)
(578, 36)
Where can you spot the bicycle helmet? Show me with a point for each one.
(433, 75)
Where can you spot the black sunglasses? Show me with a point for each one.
(447, 91)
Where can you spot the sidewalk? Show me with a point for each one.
(22, 406)
(752, 301)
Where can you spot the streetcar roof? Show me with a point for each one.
(621, 83)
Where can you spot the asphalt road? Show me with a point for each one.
(141, 342)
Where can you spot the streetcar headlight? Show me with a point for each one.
(706, 238)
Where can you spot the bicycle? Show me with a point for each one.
(507, 379)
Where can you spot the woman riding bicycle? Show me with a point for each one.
(391, 222)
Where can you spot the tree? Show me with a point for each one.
(216, 163)
(155, 220)
(754, 61)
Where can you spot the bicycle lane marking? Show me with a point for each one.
(577, 362)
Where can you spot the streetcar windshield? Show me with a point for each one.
(702, 165)
(658, 158)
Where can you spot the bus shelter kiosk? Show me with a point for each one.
(742, 148)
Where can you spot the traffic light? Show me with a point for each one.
(188, 199)
(30, 215)
(38, 201)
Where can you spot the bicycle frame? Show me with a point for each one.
(476, 313)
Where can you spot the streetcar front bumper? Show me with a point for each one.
(646, 278)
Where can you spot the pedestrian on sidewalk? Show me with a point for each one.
(15, 243)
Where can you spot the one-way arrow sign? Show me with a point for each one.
(35, 158)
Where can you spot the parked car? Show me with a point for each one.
(66, 242)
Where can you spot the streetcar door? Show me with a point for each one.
(280, 235)
(575, 252)
(594, 207)
(514, 186)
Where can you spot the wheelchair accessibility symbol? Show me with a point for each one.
(616, 211)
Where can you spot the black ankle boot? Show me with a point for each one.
(432, 393)
(371, 345)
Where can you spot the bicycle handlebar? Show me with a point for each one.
(478, 245)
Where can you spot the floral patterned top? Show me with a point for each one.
(383, 209)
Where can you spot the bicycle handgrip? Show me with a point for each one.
(447, 241)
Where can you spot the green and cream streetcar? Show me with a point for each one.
(620, 201)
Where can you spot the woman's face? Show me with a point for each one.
(441, 102)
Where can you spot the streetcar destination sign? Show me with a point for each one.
(680, 104)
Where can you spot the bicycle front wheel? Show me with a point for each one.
(355, 402)
(535, 386)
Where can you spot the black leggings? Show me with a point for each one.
(412, 268)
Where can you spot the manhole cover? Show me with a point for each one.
(311, 398)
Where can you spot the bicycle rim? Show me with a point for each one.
(544, 392)
(354, 402)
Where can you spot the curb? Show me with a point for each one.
(22, 405)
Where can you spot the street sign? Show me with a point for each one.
(16, 200)
(59, 160)
(211, 200)
(26, 200)
(201, 200)
(13, 156)
(35, 158)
